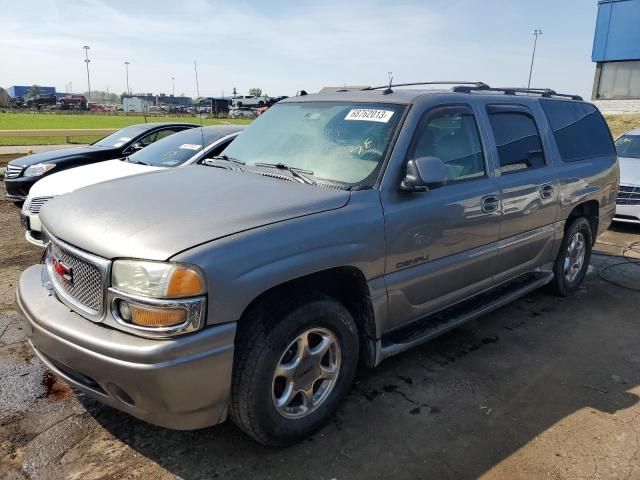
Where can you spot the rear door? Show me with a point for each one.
(528, 189)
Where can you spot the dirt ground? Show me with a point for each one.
(544, 388)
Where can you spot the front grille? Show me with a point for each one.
(85, 288)
(12, 171)
(35, 204)
(628, 195)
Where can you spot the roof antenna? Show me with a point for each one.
(388, 90)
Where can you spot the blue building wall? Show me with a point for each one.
(617, 34)
(22, 90)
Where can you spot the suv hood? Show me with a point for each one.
(157, 216)
(629, 171)
(78, 177)
(54, 155)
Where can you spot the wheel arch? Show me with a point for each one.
(346, 284)
(589, 209)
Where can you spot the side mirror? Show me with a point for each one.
(424, 173)
(137, 146)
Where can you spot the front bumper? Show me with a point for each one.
(33, 228)
(18, 188)
(627, 213)
(181, 383)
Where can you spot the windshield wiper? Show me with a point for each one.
(137, 162)
(227, 158)
(296, 172)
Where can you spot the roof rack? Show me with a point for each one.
(477, 85)
(543, 92)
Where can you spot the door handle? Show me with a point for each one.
(546, 190)
(490, 203)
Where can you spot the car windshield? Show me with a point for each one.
(121, 137)
(338, 142)
(628, 146)
(176, 149)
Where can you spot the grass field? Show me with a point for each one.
(28, 121)
(33, 121)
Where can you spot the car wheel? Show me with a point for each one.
(292, 371)
(573, 258)
(239, 104)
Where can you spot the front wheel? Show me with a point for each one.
(292, 371)
(573, 259)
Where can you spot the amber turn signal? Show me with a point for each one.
(147, 316)
(185, 282)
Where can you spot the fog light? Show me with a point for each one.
(148, 316)
(124, 311)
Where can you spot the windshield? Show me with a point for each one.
(176, 149)
(339, 142)
(121, 137)
(628, 146)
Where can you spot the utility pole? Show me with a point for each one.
(126, 67)
(536, 32)
(173, 90)
(86, 61)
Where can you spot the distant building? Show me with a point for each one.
(616, 52)
(135, 104)
(23, 90)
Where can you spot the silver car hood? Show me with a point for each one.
(158, 215)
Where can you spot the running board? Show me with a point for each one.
(441, 322)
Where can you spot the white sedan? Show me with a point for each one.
(628, 202)
(177, 150)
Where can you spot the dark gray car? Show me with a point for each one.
(338, 229)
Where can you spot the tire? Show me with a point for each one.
(269, 340)
(566, 282)
(239, 104)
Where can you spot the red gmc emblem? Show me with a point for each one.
(63, 271)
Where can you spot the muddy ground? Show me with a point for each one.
(544, 388)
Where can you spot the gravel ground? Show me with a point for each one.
(544, 388)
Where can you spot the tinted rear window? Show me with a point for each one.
(579, 130)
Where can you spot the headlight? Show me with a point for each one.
(157, 279)
(157, 299)
(38, 169)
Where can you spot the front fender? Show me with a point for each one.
(241, 267)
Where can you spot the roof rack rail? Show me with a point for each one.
(543, 92)
(444, 82)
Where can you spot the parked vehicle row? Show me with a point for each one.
(337, 230)
(175, 150)
(22, 173)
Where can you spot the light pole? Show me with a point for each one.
(86, 61)
(126, 67)
(173, 91)
(536, 32)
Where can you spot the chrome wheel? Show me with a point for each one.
(306, 373)
(574, 257)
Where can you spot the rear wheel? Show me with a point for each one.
(293, 369)
(574, 256)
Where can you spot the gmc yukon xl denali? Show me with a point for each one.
(338, 229)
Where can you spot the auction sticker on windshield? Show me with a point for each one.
(190, 146)
(369, 115)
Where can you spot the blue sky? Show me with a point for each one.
(285, 46)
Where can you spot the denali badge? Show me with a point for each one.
(63, 271)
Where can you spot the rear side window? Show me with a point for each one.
(517, 138)
(579, 129)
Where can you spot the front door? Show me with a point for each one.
(441, 244)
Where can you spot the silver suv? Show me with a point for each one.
(338, 229)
